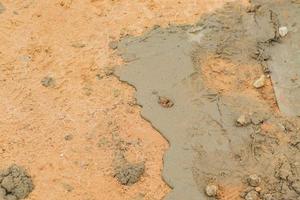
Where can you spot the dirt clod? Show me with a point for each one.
(48, 81)
(129, 174)
(259, 83)
(252, 195)
(211, 190)
(254, 180)
(68, 137)
(283, 31)
(15, 183)
(113, 45)
(243, 120)
(165, 102)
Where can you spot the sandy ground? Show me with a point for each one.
(66, 134)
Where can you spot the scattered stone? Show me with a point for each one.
(129, 174)
(15, 183)
(254, 180)
(252, 195)
(48, 81)
(211, 190)
(68, 137)
(165, 102)
(259, 83)
(113, 45)
(243, 120)
(283, 31)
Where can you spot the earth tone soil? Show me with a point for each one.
(63, 116)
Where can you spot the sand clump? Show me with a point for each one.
(15, 183)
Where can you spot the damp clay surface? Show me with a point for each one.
(221, 129)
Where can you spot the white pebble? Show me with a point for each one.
(211, 190)
(283, 31)
(260, 82)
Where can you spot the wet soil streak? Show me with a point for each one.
(205, 144)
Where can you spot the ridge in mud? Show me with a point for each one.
(207, 70)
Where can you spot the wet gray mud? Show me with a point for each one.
(207, 146)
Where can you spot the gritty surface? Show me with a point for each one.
(208, 70)
(68, 40)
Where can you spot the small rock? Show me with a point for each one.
(259, 83)
(211, 190)
(252, 195)
(129, 174)
(243, 120)
(283, 31)
(258, 189)
(165, 102)
(48, 81)
(113, 45)
(68, 137)
(254, 180)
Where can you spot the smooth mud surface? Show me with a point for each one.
(206, 71)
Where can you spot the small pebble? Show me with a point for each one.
(48, 81)
(68, 137)
(258, 189)
(252, 196)
(211, 190)
(259, 83)
(254, 180)
(243, 120)
(283, 31)
(165, 102)
(113, 45)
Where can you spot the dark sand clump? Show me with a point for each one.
(129, 174)
(15, 183)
